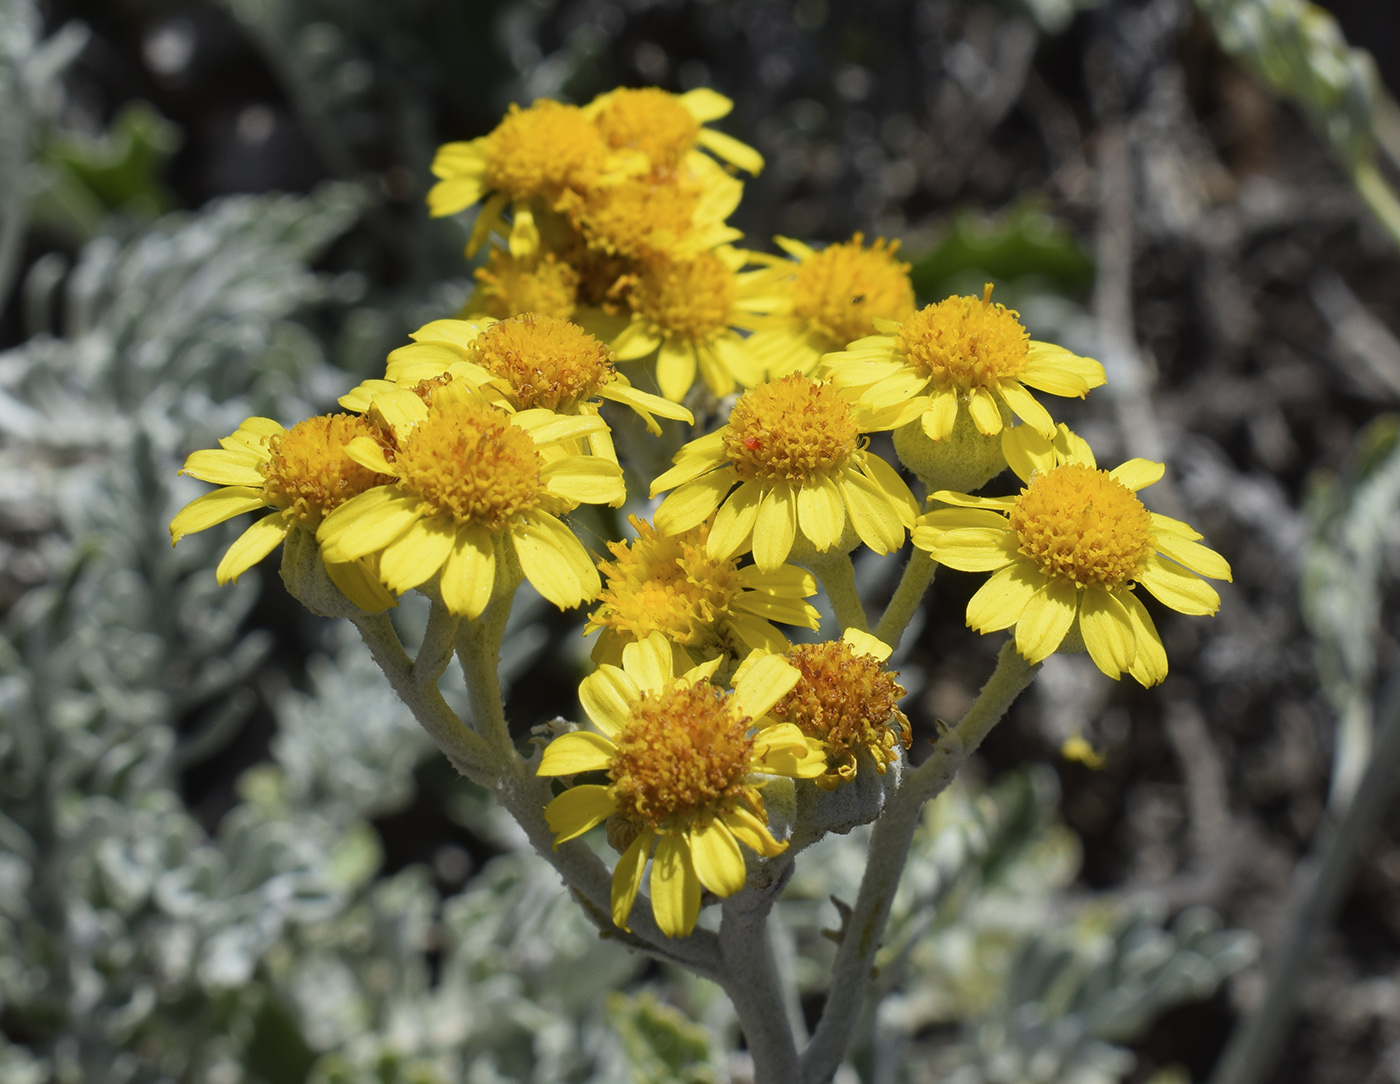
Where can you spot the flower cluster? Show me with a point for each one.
(457, 473)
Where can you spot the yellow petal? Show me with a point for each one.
(1138, 473)
(635, 341)
(447, 197)
(675, 889)
(649, 662)
(580, 751)
(1150, 663)
(862, 643)
(733, 523)
(224, 467)
(418, 553)
(986, 415)
(469, 572)
(367, 523)
(1175, 526)
(675, 369)
(1025, 406)
(251, 547)
(253, 434)
(420, 360)
(577, 810)
(753, 833)
(731, 150)
(627, 877)
(554, 561)
(1178, 587)
(893, 487)
(1199, 559)
(399, 411)
(718, 861)
(964, 500)
(774, 528)
(368, 452)
(1054, 369)
(767, 680)
(821, 512)
(705, 104)
(948, 519)
(583, 479)
(969, 549)
(1026, 450)
(459, 333)
(938, 420)
(644, 402)
(877, 523)
(999, 603)
(1108, 631)
(786, 582)
(787, 610)
(358, 582)
(607, 696)
(546, 427)
(213, 508)
(1046, 619)
(694, 502)
(524, 239)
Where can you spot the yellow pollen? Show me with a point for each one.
(848, 701)
(682, 758)
(667, 583)
(649, 120)
(1077, 523)
(638, 217)
(309, 473)
(549, 362)
(541, 150)
(792, 430)
(690, 299)
(840, 290)
(468, 461)
(965, 342)
(506, 286)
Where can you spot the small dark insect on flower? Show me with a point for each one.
(857, 299)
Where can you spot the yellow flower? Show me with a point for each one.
(833, 297)
(793, 448)
(508, 286)
(1068, 552)
(962, 350)
(305, 473)
(685, 762)
(528, 361)
(528, 161)
(471, 488)
(847, 701)
(666, 129)
(704, 607)
(690, 313)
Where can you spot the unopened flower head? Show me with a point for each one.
(705, 607)
(963, 353)
(849, 702)
(832, 297)
(684, 761)
(689, 312)
(304, 473)
(470, 480)
(793, 447)
(1069, 551)
(509, 286)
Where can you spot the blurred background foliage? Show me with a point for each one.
(226, 854)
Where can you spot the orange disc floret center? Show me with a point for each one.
(309, 473)
(964, 342)
(845, 699)
(682, 758)
(667, 584)
(507, 286)
(540, 150)
(1076, 523)
(843, 288)
(690, 299)
(792, 430)
(547, 361)
(649, 120)
(467, 460)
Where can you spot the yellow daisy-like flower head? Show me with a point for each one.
(834, 296)
(963, 350)
(529, 361)
(470, 481)
(685, 762)
(508, 286)
(690, 312)
(794, 450)
(304, 473)
(667, 128)
(849, 702)
(706, 608)
(1067, 554)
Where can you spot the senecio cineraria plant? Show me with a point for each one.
(716, 750)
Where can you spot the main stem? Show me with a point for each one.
(889, 850)
(751, 981)
(913, 584)
(838, 577)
